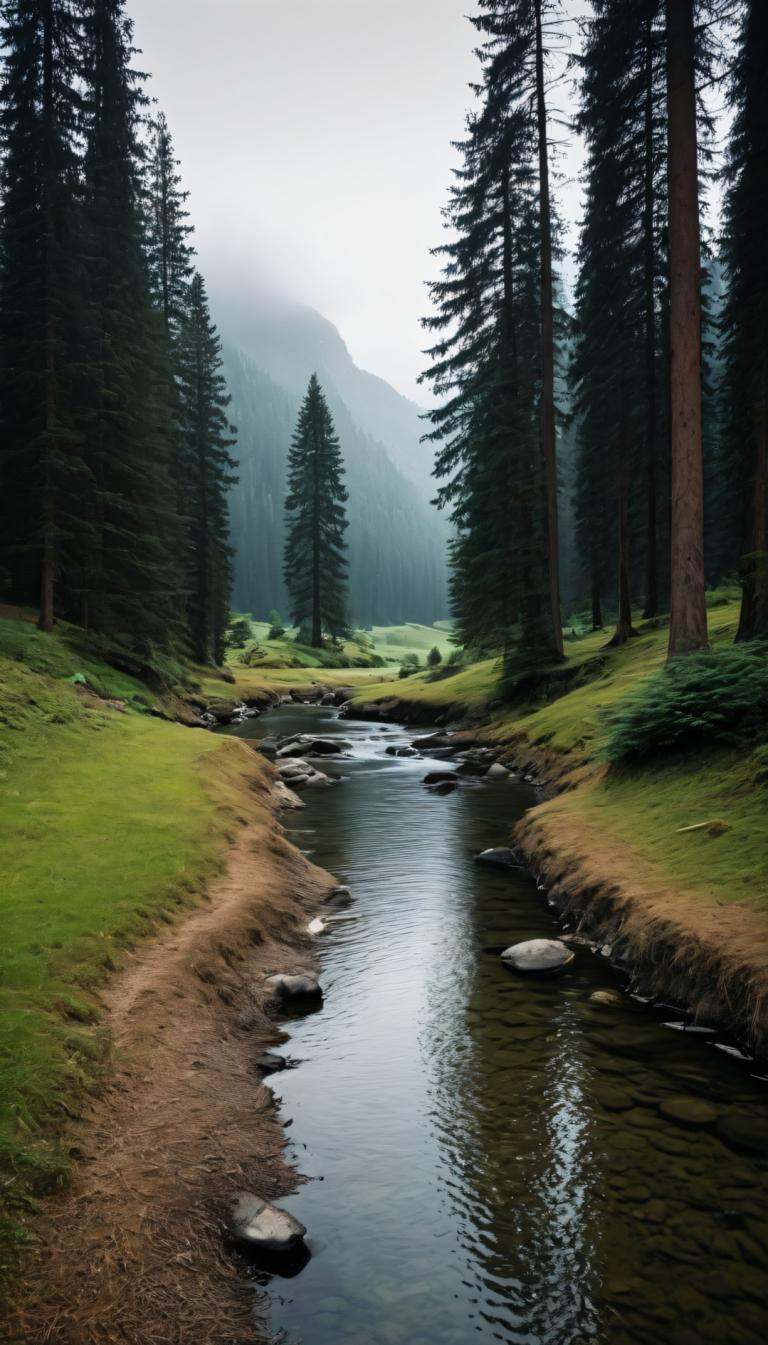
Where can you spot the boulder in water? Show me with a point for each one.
(538, 957)
(297, 985)
(285, 797)
(261, 1225)
(270, 1063)
(496, 772)
(338, 896)
(441, 778)
(444, 787)
(316, 926)
(501, 857)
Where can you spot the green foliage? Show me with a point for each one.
(701, 700)
(206, 475)
(434, 657)
(276, 625)
(727, 591)
(315, 560)
(238, 632)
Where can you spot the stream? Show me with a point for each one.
(489, 1157)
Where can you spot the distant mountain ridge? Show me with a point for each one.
(290, 342)
(397, 541)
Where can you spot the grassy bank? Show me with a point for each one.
(626, 830)
(113, 820)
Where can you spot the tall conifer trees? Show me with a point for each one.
(315, 564)
(41, 453)
(494, 360)
(205, 476)
(744, 495)
(95, 267)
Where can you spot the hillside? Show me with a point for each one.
(291, 341)
(397, 551)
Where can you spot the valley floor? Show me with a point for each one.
(119, 824)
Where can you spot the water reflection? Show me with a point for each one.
(489, 1157)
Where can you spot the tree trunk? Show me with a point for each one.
(317, 618)
(548, 347)
(624, 628)
(688, 611)
(651, 571)
(597, 611)
(753, 617)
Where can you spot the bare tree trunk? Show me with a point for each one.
(651, 571)
(753, 617)
(548, 346)
(688, 611)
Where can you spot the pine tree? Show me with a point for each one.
(169, 251)
(488, 363)
(315, 564)
(207, 475)
(611, 369)
(41, 459)
(744, 499)
(130, 581)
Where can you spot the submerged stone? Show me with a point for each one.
(749, 1133)
(538, 956)
(692, 1112)
(259, 1224)
(608, 997)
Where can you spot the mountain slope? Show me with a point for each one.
(291, 342)
(396, 540)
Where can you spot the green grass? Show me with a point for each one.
(109, 825)
(382, 644)
(649, 806)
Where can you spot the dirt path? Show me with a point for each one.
(133, 1252)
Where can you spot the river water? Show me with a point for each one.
(486, 1158)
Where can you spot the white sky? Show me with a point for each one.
(315, 139)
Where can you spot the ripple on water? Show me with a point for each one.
(495, 1164)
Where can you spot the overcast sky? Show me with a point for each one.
(315, 139)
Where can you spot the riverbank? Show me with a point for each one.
(117, 825)
(688, 909)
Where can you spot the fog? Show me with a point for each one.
(315, 139)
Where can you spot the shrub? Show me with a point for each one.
(409, 665)
(276, 625)
(434, 657)
(713, 698)
(238, 632)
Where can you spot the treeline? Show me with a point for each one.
(114, 460)
(661, 371)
